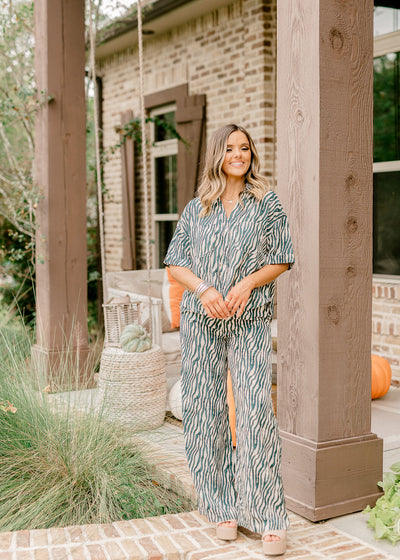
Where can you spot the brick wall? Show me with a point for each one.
(386, 323)
(228, 55)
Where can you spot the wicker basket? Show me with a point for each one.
(133, 387)
(117, 314)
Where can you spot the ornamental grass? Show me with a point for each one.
(60, 466)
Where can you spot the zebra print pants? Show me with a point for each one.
(247, 487)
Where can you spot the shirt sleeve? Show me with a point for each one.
(179, 253)
(279, 249)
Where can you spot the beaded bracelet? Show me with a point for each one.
(201, 288)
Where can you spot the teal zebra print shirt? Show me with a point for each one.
(222, 251)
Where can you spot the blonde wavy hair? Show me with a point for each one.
(213, 181)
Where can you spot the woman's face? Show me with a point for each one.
(238, 155)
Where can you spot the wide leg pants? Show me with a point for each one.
(248, 487)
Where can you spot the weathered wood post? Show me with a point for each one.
(60, 173)
(331, 460)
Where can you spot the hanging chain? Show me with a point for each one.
(144, 160)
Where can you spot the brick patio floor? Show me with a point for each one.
(182, 536)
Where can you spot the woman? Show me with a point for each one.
(230, 244)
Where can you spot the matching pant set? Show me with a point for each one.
(243, 484)
(247, 488)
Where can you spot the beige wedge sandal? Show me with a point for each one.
(224, 532)
(274, 548)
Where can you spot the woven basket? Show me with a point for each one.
(117, 314)
(133, 387)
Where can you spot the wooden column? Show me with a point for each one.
(331, 460)
(60, 173)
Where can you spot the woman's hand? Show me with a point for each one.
(238, 296)
(212, 301)
(214, 304)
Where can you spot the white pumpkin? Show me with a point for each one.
(175, 400)
(134, 338)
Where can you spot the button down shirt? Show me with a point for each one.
(223, 251)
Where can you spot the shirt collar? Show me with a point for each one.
(247, 190)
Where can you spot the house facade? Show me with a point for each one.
(208, 63)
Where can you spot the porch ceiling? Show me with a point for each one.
(387, 3)
(164, 15)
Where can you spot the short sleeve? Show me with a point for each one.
(179, 253)
(278, 241)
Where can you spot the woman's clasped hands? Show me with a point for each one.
(217, 307)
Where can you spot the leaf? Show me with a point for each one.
(94, 275)
(381, 529)
(395, 468)
(389, 479)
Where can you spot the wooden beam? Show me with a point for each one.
(331, 460)
(60, 174)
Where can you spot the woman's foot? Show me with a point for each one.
(226, 530)
(274, 542)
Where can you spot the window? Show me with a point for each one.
(386, 222)
(175, 168)
(386, 107)
(386, 205)
(386, 20)
(164, 155)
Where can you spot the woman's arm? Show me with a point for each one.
(211, 299)
(266, 274)
(238, 296)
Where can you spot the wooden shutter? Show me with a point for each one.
(128, 199)
(191, 125)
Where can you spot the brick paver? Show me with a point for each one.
(42, 554)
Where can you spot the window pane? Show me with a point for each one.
(387, 222)
(386, 107)
(386, 20)
(166, 195)
(162, 126)
(165, 233)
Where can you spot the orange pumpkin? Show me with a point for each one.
(381, 376)
(231, 405)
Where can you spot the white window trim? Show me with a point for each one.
(160, 149)
(385, 279)
(165, 148)
(385, 44)
(385, 166)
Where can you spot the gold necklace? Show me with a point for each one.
(230, 201)
(233, 200)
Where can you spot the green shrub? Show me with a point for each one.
(384, 517)
(17, 274)
(63, 467)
